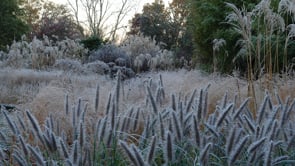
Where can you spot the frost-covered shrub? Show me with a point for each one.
(110, 53)
(126, 72)
(69, 65)
(98, 67)
(135, 45)
(146, 54)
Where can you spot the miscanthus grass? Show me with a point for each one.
(163, 131)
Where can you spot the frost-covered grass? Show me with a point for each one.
(174, 118)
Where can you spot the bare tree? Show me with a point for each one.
(122, 13)
(100, 12)
(75, 9)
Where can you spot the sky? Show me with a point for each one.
(136, 5)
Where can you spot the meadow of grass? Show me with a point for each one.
(168, 117)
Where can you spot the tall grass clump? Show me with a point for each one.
(176, 130)
(265, 33)
(41, 53)
(241, 20)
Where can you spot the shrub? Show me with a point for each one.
(145, 54)
(69, 65)
(92, 43)
(98, 67)
(110, 53)
(135, 45)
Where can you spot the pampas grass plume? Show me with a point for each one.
(64, 148)
(237, 150)
(204, 152)
(173, 105)
(250, 124)
(138, 155)
(129, 153)
(162, 129)
(136, 120)
(169, 148)
(154, 105)
(253, 147)
(20, 161)
(96, 101)
(262, 109)
(81, 134)
(39, 158)
(200, 105)
(75, 154)
(21, 122)
(177, 126)
(241, 108)
(230, 140)
(152, 150)
(191, 101)
(223, 114)
(24, 146)
(267, 154)
(10, 123)
(67, 109)
(196, 132)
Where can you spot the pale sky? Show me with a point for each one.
(137, 6)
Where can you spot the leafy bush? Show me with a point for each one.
(180, 132)
(12, 26)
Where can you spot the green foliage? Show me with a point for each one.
(206, 22)
(264, 43)
(152, 22)
(92, 43)
(11, 26)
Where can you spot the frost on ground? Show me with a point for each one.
(44, 92)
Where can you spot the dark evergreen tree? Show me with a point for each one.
(11, 26)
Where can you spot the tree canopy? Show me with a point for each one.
(166, 24)
(12, 27)
(57, 21)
